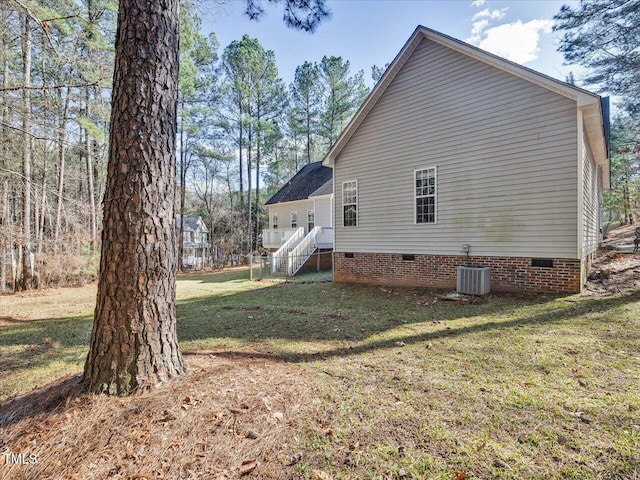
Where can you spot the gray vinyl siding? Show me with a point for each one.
(506, 156)
(590, 213)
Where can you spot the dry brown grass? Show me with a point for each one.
(66, 302)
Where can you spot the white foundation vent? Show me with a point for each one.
(474, 280)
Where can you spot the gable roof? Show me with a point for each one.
(191, 224)
(588, 102)
(310, 178)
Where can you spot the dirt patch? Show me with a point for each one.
(614, 272)
(226, 417)
(621, 235)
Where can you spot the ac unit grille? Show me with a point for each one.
(474, 280)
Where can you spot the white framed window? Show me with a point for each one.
(350, 203)
(311, 220)
(274, 220)
(425, 191)
(294, 219)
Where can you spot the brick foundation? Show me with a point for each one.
(513, 274)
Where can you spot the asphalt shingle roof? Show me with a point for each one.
(325, 189)
(304, 183)
(190, 223)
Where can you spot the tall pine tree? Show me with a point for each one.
(343, 94)
(306, 97)
(604, 37)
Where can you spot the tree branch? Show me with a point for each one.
(51, 87)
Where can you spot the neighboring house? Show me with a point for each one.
(460, 157)
(195, 242)
(300, 218)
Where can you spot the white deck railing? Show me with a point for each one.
(276, 237)
(282, 255)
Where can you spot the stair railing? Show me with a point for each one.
(282, 254)
(299, 255)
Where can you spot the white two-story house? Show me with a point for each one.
(196, 249)
(300, 217)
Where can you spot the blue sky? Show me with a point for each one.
(368, 32)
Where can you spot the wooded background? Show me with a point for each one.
(242, 131)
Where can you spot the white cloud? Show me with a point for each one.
(477, 3)
(490, 14)
(476, 31)
(481, 21)
(515, 41)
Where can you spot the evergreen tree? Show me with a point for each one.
(306, 96)
(624, 196)
(270, 104)
(604, 37)
(196, 99)
(236, 99)
(255, 97)
(134, 343)
(377, 72)
(343, 94)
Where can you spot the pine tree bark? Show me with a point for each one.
(134, 343)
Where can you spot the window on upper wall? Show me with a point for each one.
(425, 195)
(294, 219)
(311, 220)
(274, 220)
(350, 203)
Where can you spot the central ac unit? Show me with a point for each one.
(474, 280)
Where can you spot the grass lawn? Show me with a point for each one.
(387, 383)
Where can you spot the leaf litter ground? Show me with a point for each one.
(225, 417)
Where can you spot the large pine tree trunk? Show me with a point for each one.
(134, 343)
